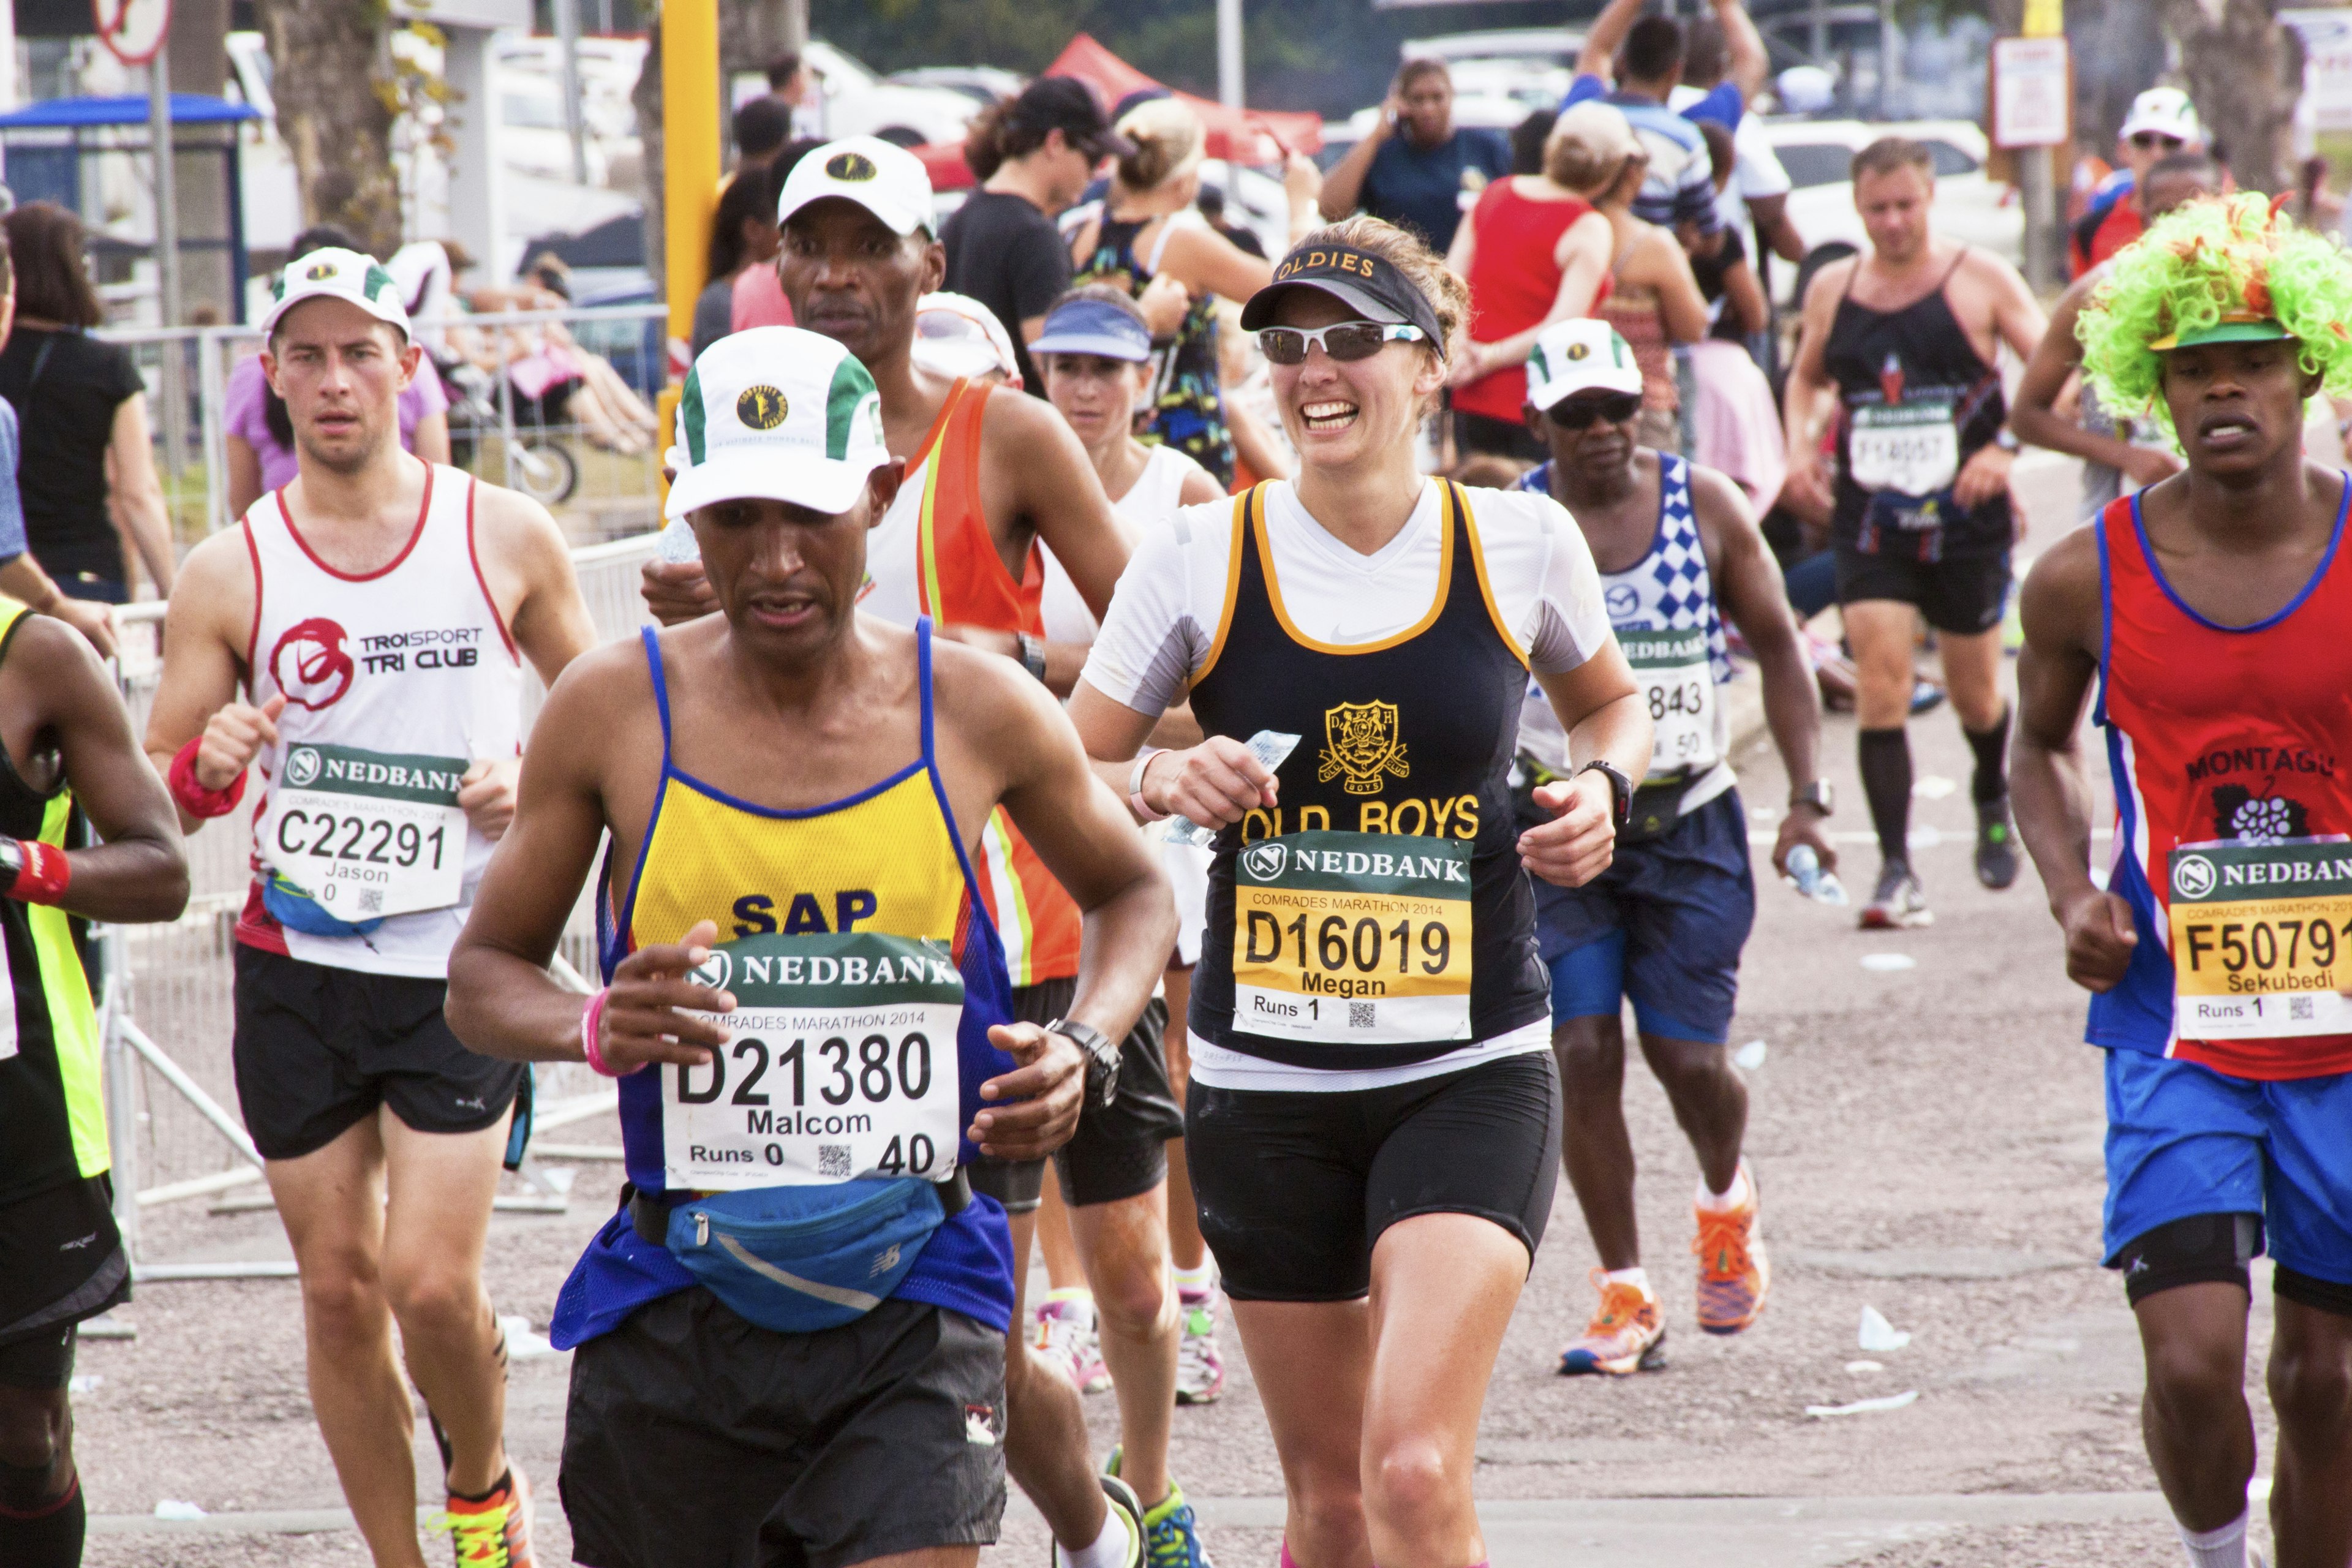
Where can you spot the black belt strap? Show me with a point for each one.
(650, 1212)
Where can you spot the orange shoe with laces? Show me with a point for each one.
(495, 1532)
(1734, 1275)
(1626, 1334)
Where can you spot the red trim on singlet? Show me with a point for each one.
(417, 534)
(253, 634)
(473, 487)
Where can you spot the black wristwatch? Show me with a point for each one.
(1033, 654)
(1102, 1060)
(1820, 794)
(1620, 788)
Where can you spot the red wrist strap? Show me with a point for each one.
(46, 871)
(190, 793)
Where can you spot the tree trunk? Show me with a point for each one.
(2118, 49)
(328, 74)
(2245, 73)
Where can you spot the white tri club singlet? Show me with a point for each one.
(390, 679)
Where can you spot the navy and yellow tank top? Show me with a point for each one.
(887, 859)
(52, 1099)
(1379, 916)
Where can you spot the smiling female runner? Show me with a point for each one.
(1374, 1111)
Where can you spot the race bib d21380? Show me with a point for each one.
(843, 1065)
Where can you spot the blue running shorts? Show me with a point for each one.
(2184, 1140)
(1663, 925)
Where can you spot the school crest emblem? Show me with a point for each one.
(1361, 747)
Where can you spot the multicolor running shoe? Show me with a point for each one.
(1899, 903)
(1626, 1335)
(1996, 856)
(1200, 1369)
(1734, 1275)
(1069, 1335)
(1171, 1536)
(495, 1532)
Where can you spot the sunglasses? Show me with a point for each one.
(1573, 414)
(1347, 342)
(2158, 142)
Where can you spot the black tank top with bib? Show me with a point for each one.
(1379, 915)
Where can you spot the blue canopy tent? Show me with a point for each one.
(44, 144)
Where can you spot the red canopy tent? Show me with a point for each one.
(1237, 135)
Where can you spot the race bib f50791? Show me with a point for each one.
(2261, 939)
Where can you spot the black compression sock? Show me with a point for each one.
(1886, 780)
(1990, 781)
(50, 1539)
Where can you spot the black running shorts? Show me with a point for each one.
(693, 1436)
(1960, 594)
(1295, 1189)
(1121, 1152)
(64, 1262)
(318, 1048)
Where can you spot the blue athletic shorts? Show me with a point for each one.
(1663, 925)
(2184, 1140)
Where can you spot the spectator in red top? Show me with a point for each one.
(2162, 122)
(1534, 252)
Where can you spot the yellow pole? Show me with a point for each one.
(690, 97)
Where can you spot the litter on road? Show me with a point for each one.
(1878, 1334)
(1865, 1406)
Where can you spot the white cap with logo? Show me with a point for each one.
(886, 180)
(336, 274)
(1579, 354)
(776, 414)
(2167, 111)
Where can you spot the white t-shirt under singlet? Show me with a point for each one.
(1163, 622)
(412, 660)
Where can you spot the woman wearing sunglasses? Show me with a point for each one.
(1373, 1110)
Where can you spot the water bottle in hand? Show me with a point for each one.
(1805, 875)
(677, 543)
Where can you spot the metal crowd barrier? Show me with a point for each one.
(497, 433)
(165, 1012)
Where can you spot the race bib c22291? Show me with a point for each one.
(1353, 938)
(841, 1065)
(367, 833)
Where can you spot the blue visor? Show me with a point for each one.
(1093, 327)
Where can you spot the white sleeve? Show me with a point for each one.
(1758, 170)
(1150, 641)
(1571, 624)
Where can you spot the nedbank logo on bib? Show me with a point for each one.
(1263, 862)
(2192, 876)
(347, 770)
(1362, 745)
(302, 766)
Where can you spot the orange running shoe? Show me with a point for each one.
(1734, 1275)
(1626, 1334)
(495, 1532)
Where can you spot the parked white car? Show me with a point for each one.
(857, 102)
(1819, 157)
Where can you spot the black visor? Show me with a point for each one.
(1367, 284)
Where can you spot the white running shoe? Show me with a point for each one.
(1068, 1335)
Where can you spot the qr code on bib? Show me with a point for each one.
(371, 900)
(1360, 1015)
(2298, 1009)
(833, 1159)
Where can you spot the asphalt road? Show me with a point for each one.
(1928, 1140)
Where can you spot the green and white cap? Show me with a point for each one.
(776, 414)
(1579, 354)
(334, 273)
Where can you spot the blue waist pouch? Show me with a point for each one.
(800, 1259)
(297, 910)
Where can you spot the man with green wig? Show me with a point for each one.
(2212, 610)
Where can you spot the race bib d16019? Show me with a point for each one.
(1678, 683)
(367, 833)
(1353, 938)
(1912, 448)
(841, 1065)
(2261, 939)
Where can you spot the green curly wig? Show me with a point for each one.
(2215, 259)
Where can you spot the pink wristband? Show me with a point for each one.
(592, 1019)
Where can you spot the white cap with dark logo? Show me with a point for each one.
(336, 274)
(886, 180)
(776, 414)
(1579, 354)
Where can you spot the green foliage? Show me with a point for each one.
(2221, 256)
